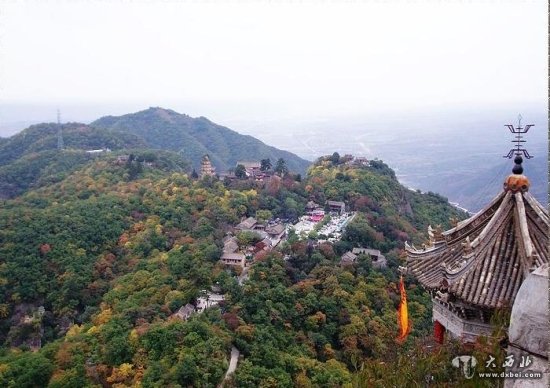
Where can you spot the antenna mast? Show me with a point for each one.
(60, 144)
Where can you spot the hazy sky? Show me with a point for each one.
(304, 57)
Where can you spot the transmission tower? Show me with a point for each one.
(60, 144)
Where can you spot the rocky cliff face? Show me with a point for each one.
(26, 327)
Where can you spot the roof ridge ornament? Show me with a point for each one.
(519, 149)
(467, 245)
(517, 181)
(435, 234)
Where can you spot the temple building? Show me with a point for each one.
(478, 266)
(252, 168)
(206, 167)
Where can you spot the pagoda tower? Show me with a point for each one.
(479, 265)
(206, 167)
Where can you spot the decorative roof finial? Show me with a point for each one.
(519, 149)
(517, 181)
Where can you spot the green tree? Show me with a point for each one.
(281, 167)
(134, 166)
(247, 238)
(28, 370)
(265, 164)
(263, 215)
(291, 208)
(240, 171)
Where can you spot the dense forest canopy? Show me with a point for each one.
(98, 254)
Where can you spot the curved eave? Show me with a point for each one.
(427, 265)
(448, 260)
(540, 210)
(476, 222)
(497, 249)
(496, 276)
(534, 223)
(511, 246)
(421, 253)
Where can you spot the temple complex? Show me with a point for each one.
(477, 267)
(206, 167)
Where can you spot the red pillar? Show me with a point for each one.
(439, 332)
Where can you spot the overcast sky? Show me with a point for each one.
(308, 58)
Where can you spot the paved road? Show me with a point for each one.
(243, 277)
(232, 364)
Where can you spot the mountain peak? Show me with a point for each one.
(164, 114)
(194, 137)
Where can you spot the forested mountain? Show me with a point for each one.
(30, 158)
(43, 137)
(43, 168)
(93, 267)
(194, 137)
(38, 169)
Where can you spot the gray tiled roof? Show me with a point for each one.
(484, 259)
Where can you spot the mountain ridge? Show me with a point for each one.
(194, 137)
(31, 157)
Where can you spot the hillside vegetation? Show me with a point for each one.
(93, 266)
(30, 159)
(43, 137)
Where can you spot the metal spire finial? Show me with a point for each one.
(519, 149)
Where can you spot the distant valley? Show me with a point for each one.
(451, 153)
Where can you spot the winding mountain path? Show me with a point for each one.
(232, 364)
